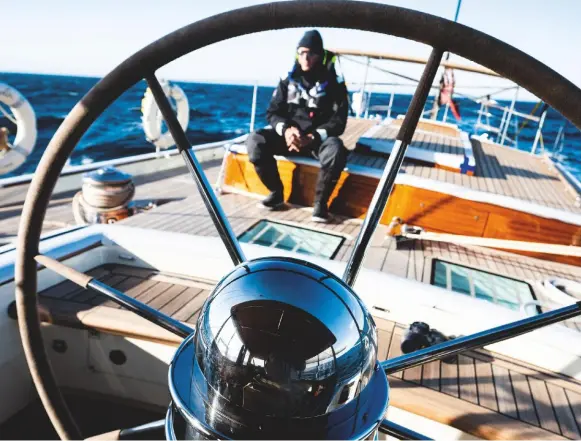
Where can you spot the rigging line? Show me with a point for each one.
(455, 20)
(497, 92)
(386, 71)
(380, 83)
(526, 121)
(433, 86)
(458, 10)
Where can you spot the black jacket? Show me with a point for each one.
(316, 102)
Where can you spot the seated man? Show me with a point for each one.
(308, 111)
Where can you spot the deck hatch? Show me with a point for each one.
(494, 288)
(292, 238)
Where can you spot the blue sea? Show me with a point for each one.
(220, 112)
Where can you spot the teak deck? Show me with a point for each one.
(480, 393)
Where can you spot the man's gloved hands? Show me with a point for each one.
(295, 140)
(292, 136)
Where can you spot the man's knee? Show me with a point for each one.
(333, 153)
(256, 146)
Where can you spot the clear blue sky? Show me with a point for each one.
(90, 38)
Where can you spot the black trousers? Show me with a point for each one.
(263, 144)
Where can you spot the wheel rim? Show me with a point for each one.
(437, 32)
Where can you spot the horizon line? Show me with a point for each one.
(241, 82)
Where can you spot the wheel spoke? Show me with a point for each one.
(479, 339)
(137, 432)
(391, 170)
(212, 204)
(400, 432)
(139, 308)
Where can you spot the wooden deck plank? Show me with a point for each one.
(456, 179)
(563, 411)
(395, 347)
(483, 168)
(194, 317)
(193, 305)
(383, 340)
(434, 173)
(411, 263)
(467, 379)
(125, 270)
(132, 286)
(504, 393)
(424, 171)
(553, 194)
(550, 197)
(560, 191)
(574, 400)
(168, 295)
(520, 181)
(543, 405)
(420, 260)
(375, 258)
(155, 291)
(485, 385)
(523, 397)
(387, 246)
(180, 300)
(512, 184)
(62, 290)
(384, 324)
(495, 172)
(449, 378)
(413, 375)
(347, 250)
(396, 261)
(431, 375)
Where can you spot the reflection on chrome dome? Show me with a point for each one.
(279, 340)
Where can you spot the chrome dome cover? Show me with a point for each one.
(283, 348)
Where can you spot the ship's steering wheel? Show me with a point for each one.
(442, 35)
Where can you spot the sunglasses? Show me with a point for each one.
(307, 54)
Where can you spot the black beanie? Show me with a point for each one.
(313, 41)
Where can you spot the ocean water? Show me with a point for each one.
(220, 112)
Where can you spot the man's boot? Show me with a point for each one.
(320, 213)
(271, 180)
(325, 186)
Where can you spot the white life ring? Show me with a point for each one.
(26, 131)
(152, 118)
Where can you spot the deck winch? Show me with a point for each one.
(104, 197)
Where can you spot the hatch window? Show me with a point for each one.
(291, 238)
(494, 288)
